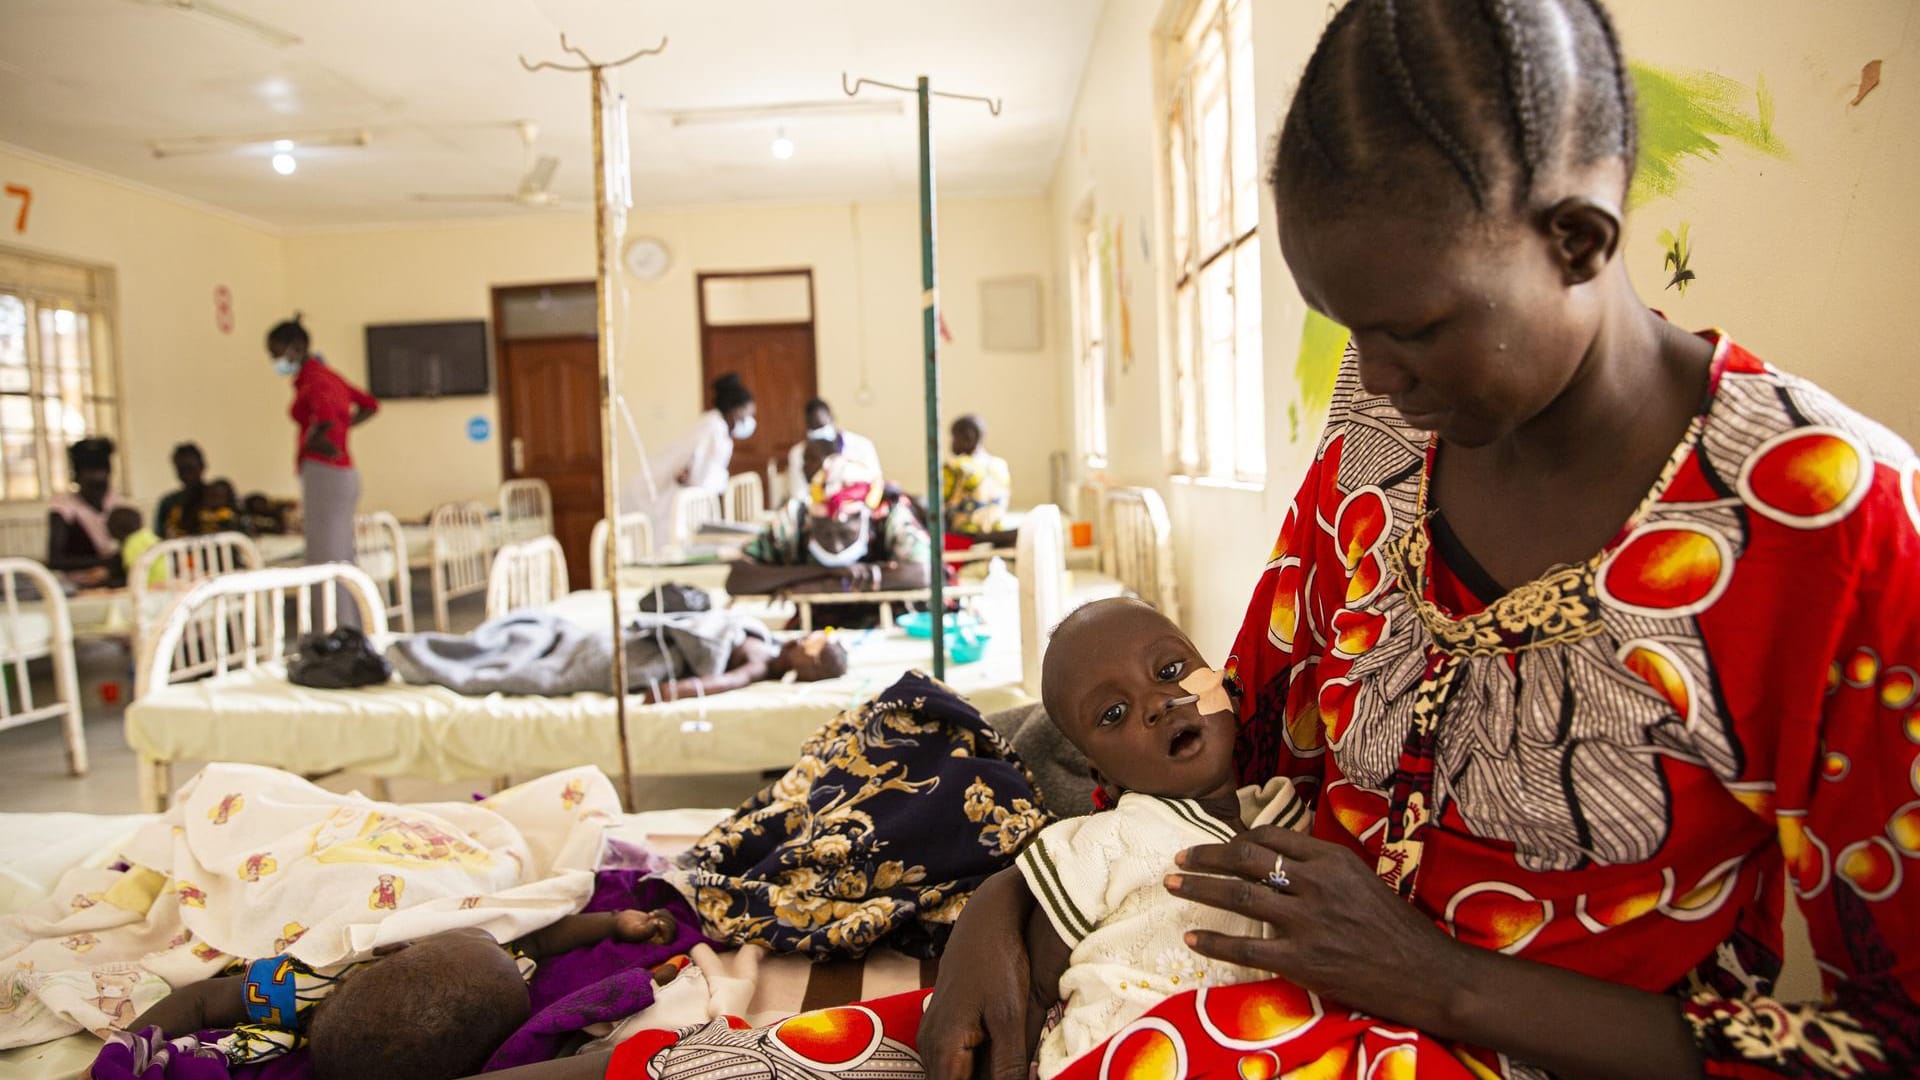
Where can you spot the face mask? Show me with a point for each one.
(284, 366)
(824, 433)
(744, 428)
(854, 552)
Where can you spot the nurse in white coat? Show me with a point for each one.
(700, 458)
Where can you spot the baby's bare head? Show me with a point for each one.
(436, 1009)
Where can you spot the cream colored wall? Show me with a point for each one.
(865, 261)
(184, 379)
(1809, 261)
(1813, 261)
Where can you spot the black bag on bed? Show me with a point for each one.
(339, 660)
(670, 599)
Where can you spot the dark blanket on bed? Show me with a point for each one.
(895, 813)
(605, 982)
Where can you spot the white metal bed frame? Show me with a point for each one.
(635, 544)
(462, 555)
(252, 606)
(48, 600)
(184, 561)
(380, 549)
(746, 499)
(692, 509)
(526, 575)
(1137, 541)
(526, 509)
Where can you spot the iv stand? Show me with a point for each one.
(930, 336)
(603, 294)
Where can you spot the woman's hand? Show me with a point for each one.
(1338, 930)
(318, 443)
(976, 1020)
(862, 577)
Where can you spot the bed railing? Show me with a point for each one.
(1138, 543)
(527, 575)
(526, 510)
(179, 564)
(746, 499)
(635, 543)
(380, 549)
(22, 611)
(1042, 558)
(462, 555)
(692, 510)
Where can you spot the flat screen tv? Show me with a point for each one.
(427, 360)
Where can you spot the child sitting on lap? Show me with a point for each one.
(435, 1008)
(127, 526)
(1128, 688)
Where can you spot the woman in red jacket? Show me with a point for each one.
(325, 406)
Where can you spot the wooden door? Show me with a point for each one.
(769, 343)
(550, 429)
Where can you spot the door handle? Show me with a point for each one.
(519, 450)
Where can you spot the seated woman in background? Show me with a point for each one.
(845, 535)
(974, 488)
(179, 510)
(79, 544)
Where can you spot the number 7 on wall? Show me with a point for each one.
(25, 195)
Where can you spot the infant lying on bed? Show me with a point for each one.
(1107, 940)
(438, 1007)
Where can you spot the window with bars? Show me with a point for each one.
(57, 382)
(1090, 375)
(1214, 200)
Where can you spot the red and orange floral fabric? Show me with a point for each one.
(1618, 767)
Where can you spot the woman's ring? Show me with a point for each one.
(1278, 879)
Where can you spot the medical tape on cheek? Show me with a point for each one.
(1210, 687)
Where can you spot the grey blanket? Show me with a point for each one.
(547, 656)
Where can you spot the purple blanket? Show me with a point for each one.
(608, 982)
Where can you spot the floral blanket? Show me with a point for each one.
(896, 811)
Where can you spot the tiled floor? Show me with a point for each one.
(33, 759)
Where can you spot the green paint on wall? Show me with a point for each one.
(1322, 342)
(1694, 115)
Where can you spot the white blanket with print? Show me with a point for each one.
(254, 862)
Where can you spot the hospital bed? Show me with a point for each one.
(37, 849)
(247, 710)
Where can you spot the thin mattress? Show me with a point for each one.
(431, 732)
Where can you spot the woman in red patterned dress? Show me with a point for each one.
(1594, 636)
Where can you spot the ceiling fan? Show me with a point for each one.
(535, 189)
(272, 35)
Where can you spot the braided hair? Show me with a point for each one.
(1493, 94)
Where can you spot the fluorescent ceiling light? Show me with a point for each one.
(792, 110)
(225, 144)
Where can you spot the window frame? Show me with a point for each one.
(1091, 384)
(1203, 40)
(45, 284)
